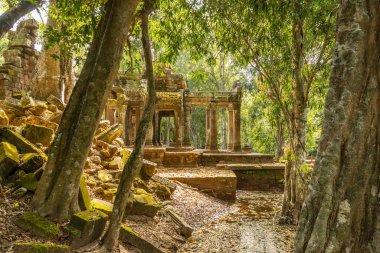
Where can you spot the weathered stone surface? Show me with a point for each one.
(90, 223)
(4, 121)
(35, 120)
(22, 144)
(213, 158)
(148, 169)
(104, 176)
(144, 204)
(110, 134)
(56, 117)
(29, 181)
(31, 162)
(39, 108)
(101, 205)
(38, 134)
(84, 197)
(56, 101)
(20, 247)
(127, 235)
(116, 164)
(38, 225)
(8, 159)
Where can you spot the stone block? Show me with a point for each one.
(35, 120)
(127, 235)
(4, 121)
(90, 223)
(101, 205)
(20, 247)
(31, 162)
(56, 101)
(38, 225)
(84, 197)
(29, 181)
(22, 144)
(110, 134)
(9, 159)
(38, 134)
(144, 204)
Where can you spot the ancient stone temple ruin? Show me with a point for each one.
(175, 101)
(217, 172)
(20, 59)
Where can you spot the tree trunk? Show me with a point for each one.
(57, 191)
(134, 163)
(13, 14)
(342, 210)
(294, 196)
(53, 76)
(279, 136)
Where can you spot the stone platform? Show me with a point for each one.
(210, 158)
(217, 183)
(260, 177)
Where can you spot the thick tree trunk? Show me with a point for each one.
(134, 163)
(295, 193)
(342, 210)
(13, 14)
(279, 137)
(57, 190)
(53, 76)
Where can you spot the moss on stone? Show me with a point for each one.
(128, 230)
(38, 225)
(20, 247)
(31, 162)
(29, 181)
(8, 158)
(102, 205)
(84, 197)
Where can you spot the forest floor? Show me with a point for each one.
(248, 225)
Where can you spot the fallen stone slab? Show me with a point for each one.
(21, 247)
(90, 223)
(127, 235)
(101, 205)
(37, 225)
(31, 162)
(84, 196)
(110, 134)
(9, 159)
(144, 204)
(36, 120)
(56, 101)
(38, 134)
(4, 121)
(22, 144)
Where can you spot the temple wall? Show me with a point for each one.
(20, 59)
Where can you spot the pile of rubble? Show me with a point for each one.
(27, 128)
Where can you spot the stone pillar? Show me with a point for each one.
(237, 144)
(208, 143)
(156, 128)
(127, 120)
(230, 128)
(213, 128)
(186, 127)
(149, 135)
(168, 130)
(177, 130)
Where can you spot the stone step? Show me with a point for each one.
(259, 166)
(213, 158)
(217, 183)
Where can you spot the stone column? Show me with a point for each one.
(149, 135)
(155, 128)
(208, 143)
(230, 128)
(237, 145)
(177, 130)
(168, 130)
(186, 127)
(127, 120)
(213, 128)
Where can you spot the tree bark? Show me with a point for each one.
(294, 196)
(13, 14)
(342, 210)
(134, 163)
(57, 191)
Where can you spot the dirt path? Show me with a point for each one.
(250, 228)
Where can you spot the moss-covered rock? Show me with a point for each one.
(4, 120)
(38, 134)
(101, 205)
(29, 181)
(110, 134)
(148, 169)
(9, 159)
(31, 162)
(38, 225)
(127, 235)
(90, 223)
(84, 197)
(19, 193)
(104, 176)
(40, 248)
(144, 204)
(22, 144)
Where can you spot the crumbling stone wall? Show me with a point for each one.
(20, 59)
